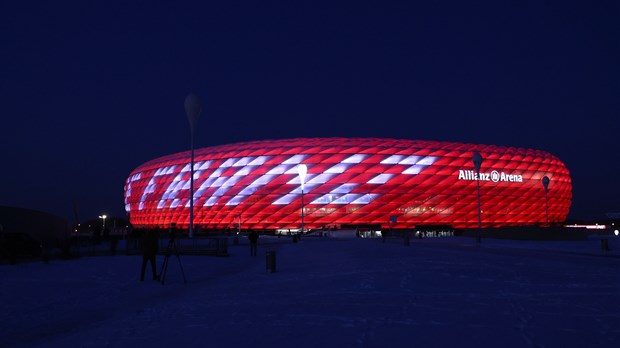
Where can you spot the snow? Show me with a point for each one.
(326, 292)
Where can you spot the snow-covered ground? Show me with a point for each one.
(326, 292)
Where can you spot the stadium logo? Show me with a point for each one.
(494, 176)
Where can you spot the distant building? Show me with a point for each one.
(350, 182)
(42, 226)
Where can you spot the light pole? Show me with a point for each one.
(302, 169)
(239, 225)
(545, 182)
(103, 217)
(193, 107)
(477, 159)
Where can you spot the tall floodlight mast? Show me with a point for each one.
(302, 177)
(477, 159)
(193, 107)
(545, 182)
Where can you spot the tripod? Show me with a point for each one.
(172, 248)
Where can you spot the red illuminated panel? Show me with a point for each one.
(350, 181)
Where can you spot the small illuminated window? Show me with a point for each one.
(365, 199)
(346, 199)
(325, 199)
(380, 179)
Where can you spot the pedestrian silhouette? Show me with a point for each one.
(149, 246)
(253, 237)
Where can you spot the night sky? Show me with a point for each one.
(91, 90)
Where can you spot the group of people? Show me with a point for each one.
(149, 246)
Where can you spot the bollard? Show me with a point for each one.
(271, 261)
(604, 244)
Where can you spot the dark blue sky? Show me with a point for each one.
(89, 91)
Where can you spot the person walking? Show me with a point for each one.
(149, 246)
(253, 237)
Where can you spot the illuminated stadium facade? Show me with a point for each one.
(350, 182)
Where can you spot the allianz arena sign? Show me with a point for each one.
(493, 176)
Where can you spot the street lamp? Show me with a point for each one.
(239, 225)
(302, 169)
(103, 217)
(545, 182)
(193, 107)
(477, 159)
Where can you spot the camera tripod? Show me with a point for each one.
(172, 248)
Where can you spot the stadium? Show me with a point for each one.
(350, 183)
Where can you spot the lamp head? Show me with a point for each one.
(193, 107)
(477, 161)
(303, 170)
(545, 182)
